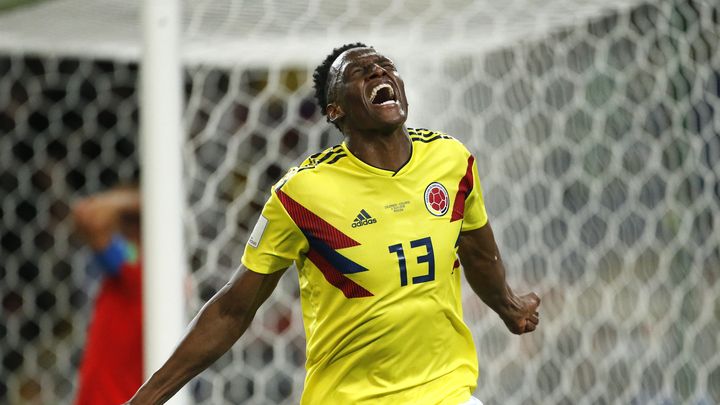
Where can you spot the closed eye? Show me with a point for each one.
(357, 71)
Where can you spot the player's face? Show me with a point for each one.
(370, 93)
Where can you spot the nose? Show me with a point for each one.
(376, 71)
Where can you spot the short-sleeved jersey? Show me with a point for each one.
(378, 271)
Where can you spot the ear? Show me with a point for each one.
(334, 112)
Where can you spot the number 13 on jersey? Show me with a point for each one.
(428, 257)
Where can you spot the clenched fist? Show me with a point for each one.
(521, 313)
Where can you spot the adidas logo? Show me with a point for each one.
(363, 219)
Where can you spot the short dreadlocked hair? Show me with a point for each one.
(320, 76)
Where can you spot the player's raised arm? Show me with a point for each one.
(485, 272)
(217, 326)
(100, 216)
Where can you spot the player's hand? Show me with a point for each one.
(521, 315)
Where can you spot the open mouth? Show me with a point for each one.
(383, 94)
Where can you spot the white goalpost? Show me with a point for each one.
(163, 198)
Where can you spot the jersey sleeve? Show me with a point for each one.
(117, 254)
(275, 241)
(475, 213)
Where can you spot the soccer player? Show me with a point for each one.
(111, 368)
(375, 226)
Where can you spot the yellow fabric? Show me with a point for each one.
(402, 343)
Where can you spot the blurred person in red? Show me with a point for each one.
(111, 367)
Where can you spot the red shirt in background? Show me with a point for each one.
(112, 368)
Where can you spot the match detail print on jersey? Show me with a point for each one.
(324, 240)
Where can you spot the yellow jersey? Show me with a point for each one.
(376, 253)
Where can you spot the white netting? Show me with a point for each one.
(595, 129)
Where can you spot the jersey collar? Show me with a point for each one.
(378, 171)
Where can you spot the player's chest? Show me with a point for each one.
(400, 234)
(384, 205)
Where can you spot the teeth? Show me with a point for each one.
(380, 87)
(388, 102)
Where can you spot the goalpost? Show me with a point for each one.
(595, 128)
(163, 197)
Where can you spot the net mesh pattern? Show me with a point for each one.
(597, 141)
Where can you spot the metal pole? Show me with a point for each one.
(161, 140)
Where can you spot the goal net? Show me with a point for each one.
(594, 127)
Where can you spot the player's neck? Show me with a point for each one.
(387, 151)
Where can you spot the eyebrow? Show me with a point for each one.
(380, 59)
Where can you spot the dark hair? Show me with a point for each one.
(320, 76)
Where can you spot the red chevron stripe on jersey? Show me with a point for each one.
(348, 287)
(317, 226)
(309, 223)
(466, 185)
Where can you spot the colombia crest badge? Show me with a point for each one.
(437, 199)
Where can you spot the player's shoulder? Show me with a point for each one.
(312, 166)
(425, 135)
(323, 159)
(436, 141)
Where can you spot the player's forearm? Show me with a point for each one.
(98, 217)
(214, 330)
(113, 202)
(485, 272)
(484, 269)
(211, 334)
(487, 279)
